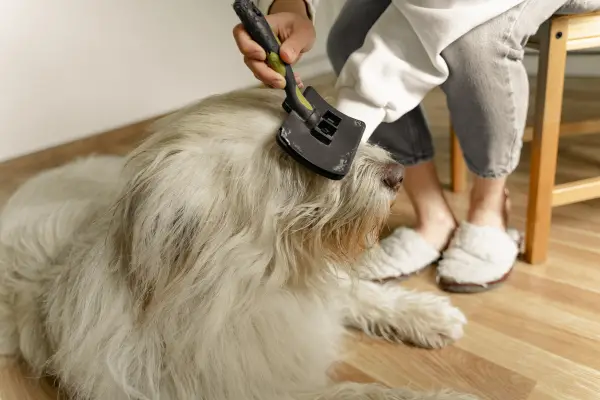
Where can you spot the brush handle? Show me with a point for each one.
(260, 31)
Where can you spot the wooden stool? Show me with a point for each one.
(557, 36)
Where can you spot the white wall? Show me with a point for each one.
(71, 68)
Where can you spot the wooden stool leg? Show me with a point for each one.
(546, 129)
(458, 167)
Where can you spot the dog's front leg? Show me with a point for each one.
(396, 314)
(372, 391)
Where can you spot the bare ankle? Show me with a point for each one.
(491, 211)
(442, 219)
(437, 229)
(489, 205)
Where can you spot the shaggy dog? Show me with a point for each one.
(207, 265)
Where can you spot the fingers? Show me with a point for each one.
(298, 81)
(248, 47)
(298, 38)
(264, 73)
(254, 58)
(293, 47)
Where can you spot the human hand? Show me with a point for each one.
(297, 35)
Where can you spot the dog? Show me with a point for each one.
(207, 264)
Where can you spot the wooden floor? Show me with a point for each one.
(535, 338)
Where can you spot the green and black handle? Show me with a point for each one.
(315, 133)
(260, 31)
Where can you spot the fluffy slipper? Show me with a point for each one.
(478, 258)
(399, 255)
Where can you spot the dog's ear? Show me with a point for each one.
(152, 231)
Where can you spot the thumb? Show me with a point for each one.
(293, 47)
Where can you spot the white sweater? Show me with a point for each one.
(400, 60)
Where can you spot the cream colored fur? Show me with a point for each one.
(207, 265)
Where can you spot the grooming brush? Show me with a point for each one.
(315, 133)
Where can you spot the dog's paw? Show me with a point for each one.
(435, 322)
(421, 319)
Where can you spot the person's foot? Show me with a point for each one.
(408, 251)
(482, 251)
(491, 210)
(437, 229)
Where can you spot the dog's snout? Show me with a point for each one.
(393, 175)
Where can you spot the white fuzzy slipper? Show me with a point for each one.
(399, 255)
(478, 258)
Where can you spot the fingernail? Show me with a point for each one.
(291, 55)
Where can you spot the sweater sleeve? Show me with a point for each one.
(400, 60)
(265, 5)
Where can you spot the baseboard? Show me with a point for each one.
(116, 141)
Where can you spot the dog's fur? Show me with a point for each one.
(207, 265)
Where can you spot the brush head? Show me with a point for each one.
(327, 143)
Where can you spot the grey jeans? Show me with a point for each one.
(487, 90)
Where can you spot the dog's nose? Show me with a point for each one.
(393, 175)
